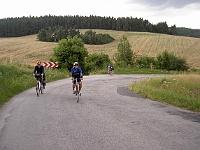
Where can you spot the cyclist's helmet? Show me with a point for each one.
(75, 63)
(38, 63)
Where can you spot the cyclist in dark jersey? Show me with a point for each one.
(110, 69)
(39, 69)
(76, 73)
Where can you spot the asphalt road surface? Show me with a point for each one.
(108, 117)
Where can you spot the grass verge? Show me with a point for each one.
(178, 90)
(15, 79)
(131, 70)
(128, 70)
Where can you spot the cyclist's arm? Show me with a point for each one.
(81, 73)
(34, 71)
(42, 69)
(72, 74)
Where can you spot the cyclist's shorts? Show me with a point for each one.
(78, 80)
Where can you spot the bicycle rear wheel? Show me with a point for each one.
(77, 93)
(78, 98)
(41, 89)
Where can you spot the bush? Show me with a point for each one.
(124, 55)
(97, 61)
(70, 50)
(91, 37)
(169, 61)
(55, 34)
(145, 61)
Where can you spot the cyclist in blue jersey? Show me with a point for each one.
(76, 73)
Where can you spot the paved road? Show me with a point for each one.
(108, 117)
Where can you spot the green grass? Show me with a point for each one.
(15, 79)
(128, 70)
(131, 70)
(178, 90)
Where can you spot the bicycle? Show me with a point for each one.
(77, 92)
(39, 84)
(111, 71)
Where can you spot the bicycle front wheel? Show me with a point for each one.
(77, 93)
(38, 89)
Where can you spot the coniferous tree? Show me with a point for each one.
(173, 30)
(162, 27)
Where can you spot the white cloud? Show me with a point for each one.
(165, 3)
(185, 16)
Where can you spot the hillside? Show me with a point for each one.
(28, 49)
(188, 32)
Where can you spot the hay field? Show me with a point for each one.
(29, 50)
(26, 50)
(151, 44)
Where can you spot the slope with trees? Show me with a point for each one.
(15, 27)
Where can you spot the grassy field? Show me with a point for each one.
(28, 49)
(178, 90)
(24, 52)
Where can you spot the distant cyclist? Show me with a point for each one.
(110, 69)
(76, 74)
(39, 69)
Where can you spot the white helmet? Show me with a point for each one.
(75, 63)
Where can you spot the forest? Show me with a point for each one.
(22, 26)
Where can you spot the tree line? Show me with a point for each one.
(188, 32)
(22, 26)
(55, 34)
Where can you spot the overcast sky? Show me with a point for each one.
(182, 13)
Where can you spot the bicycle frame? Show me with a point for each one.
(39, 87)
(111, 72)
(77, 89)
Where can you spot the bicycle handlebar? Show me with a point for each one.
(38, 74)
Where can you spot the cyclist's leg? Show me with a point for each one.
(73, 85)
(36, 77)
(44, 80)
(111, 71)
(80, 84)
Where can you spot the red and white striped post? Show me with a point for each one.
(50, 64)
